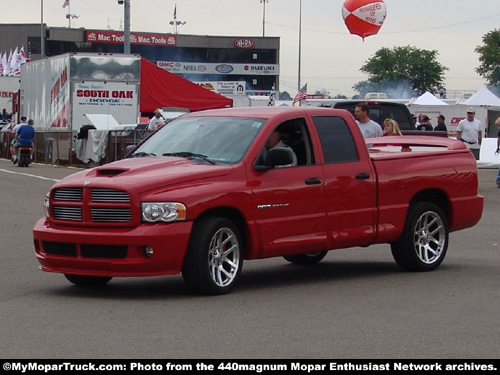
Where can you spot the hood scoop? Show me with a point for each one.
(110, 172)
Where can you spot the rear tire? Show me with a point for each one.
(87, 281)
(307, 258)
(423, 244)
(214, 257)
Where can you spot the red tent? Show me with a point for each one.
(160, 88)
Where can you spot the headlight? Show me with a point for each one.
(46, 206)
(163, 211)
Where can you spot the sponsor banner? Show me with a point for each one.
(220, 68)
(224, 88)
(117, 37)
(243, 43)
(101, 97)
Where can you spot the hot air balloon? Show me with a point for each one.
(364, 17)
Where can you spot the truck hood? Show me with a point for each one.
(145, 173)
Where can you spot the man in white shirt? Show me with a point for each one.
(156, 121)
(469, 130)
(368, 127)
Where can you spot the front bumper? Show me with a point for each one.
(110, 251)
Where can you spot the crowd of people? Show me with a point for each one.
(469, 129)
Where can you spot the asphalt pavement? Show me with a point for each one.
(356, 303)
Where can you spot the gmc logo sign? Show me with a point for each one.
(243, 43)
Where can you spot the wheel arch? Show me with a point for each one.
(233, 214)
(434, 196)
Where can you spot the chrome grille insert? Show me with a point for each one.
(68, 194)
(113, 215)
(110, 195)
(67, 213)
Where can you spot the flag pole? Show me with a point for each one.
(300, 40)
(42, 37)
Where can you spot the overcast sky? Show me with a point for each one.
(330, 56)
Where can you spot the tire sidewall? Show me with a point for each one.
(406, 252)
(196, 271)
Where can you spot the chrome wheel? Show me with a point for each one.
(429, 238)
(214, 258)
(424, 241)
(224, 257)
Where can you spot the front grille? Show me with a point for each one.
(91, 205)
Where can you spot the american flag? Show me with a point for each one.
(301, 95)
(66, 4)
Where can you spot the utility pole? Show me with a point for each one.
(264, 17)
(126, 31)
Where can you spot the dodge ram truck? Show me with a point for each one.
(204, 193)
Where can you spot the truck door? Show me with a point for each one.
(288, 201)
(350, 185)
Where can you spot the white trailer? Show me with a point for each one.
(59, 92)
(9, 85)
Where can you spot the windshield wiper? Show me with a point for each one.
(187, 154)
(141, 154)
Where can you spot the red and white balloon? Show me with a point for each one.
(364, 17)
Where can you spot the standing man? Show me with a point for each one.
(156, 121)
(441, 126)
(469, 130)
(369, 128)
(425, 124)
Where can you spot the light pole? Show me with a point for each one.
(126, 29)
(42, 36)
(70, 16)
(264, 16)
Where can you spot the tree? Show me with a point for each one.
(490, 58)
(285, 96)
(402, 72)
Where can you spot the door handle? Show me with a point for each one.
(363, 176)
(313, 181)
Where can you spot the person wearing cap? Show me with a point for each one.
(156, 121)
(426, 123)
(469, 130)
(441, 126)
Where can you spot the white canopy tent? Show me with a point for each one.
(483, 97)
(427, 99)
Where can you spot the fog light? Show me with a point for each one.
(148, 251)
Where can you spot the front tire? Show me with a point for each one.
(87, 281)
(423, 244)
(214, 257)
(307, 258)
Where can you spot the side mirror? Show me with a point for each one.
(276, 157)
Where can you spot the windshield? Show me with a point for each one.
(216, 140)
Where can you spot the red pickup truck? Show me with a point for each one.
(203, 193)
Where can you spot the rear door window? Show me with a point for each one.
(336, 139)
